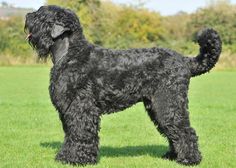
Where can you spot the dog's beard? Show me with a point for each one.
(41, 48)
(41, 42)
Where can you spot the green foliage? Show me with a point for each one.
(133, 27)
(116, 26)
(13, 38)
(119, 26)
(176, 26)
(220, 16)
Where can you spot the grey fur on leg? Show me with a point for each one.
(87, 81)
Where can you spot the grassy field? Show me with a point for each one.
(31, 134)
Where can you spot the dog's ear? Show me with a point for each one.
(58, 30)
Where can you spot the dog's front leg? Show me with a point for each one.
(81, 119)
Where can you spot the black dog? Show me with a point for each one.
(88, 81)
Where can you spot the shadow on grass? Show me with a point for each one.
(107, 151)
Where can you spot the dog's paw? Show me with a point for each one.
(170, 155)
(61, 157)
(190, 161)
(67, 158)
(187, 162)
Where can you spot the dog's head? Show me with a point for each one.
(47, 24)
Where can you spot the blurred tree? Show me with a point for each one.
(12, 38)
(176, 25)
(4, 4)
(137, 27)
(219, 15)
(117, 26)
(122, 26)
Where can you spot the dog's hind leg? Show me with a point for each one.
(81, 121)
(171, 154)
(167, 108)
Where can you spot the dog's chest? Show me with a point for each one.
(61, 88)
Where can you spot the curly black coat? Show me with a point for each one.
(88, 81)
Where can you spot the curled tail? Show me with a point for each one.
(210, 49)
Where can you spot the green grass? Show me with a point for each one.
(31, 134)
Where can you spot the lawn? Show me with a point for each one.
(31, 134)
